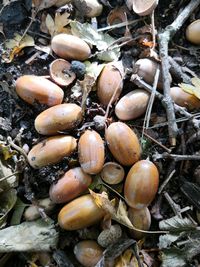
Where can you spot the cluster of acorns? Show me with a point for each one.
(142, 180)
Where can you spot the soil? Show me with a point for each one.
(18, 123)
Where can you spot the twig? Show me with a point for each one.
(150, 103)
(119, 25)
(175, 157)
(164, 38)
(158, 143)
(16, 147)
(8, 176)
(166, 181)
(175, 207)
(153, 29)
(177, 71)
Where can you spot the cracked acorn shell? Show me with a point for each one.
(112, 173)
(70, 47)
(193, 32)
(146, 69)
(123, 143)
(184, 99)
(60, 72)
(109, 79)
(141, 184)
(80, 213)
(58, 118)
(88, 253)
(51, 150)
(144, 7)
(33, 88)
(91, 152)
(141, 219)
(132, 105)
(69, 186)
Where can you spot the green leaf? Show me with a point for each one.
(29, 236)
(166, 240)
(177, 224)
(173, 257)
(7, 202)
(18, 212)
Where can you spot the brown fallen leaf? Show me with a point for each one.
(57, 25)
(127, 259)
(119, 213)
(15, 45)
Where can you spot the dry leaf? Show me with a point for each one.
(6, 151)
(127, 259)
(16, 44)
(190, 89)
(58, 24)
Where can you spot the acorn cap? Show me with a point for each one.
(144, 7)
(60, 72)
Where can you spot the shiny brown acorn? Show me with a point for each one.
(141, 219)
(193, 32)
(89, 8)
(132, 105)
(184, 99)
(38, 89)
(80, 213)
(123, 143)
(72, 184)
(112, 173)
(109, 80)
(141, 184)
(51, 150)
(70, 47)
(91, 152)
(88, 253)
(146, 69)
(58, 118)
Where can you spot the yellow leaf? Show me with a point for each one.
(61, 21)
(187, 88)
(16, 44)
(5, 150)
(196, 82)
(57, 25)
(50, 24)
(127, 259)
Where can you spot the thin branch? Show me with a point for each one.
(175, 157)
(164, 38)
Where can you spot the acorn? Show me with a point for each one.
(88, 253)
(60, 72)
(80, 213)
(144, 7)
(69, 186)
(58, 118)
(91, 152)
(109, 80)
(33, 89)
(123, 143)
(112, 173)
(193, 32)
(32, 213)
(70, 47)
(184, 99)
(89, 8)
(141, 184)
(146, 69)
(132, 105)
(141, 219)
(51, 151)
